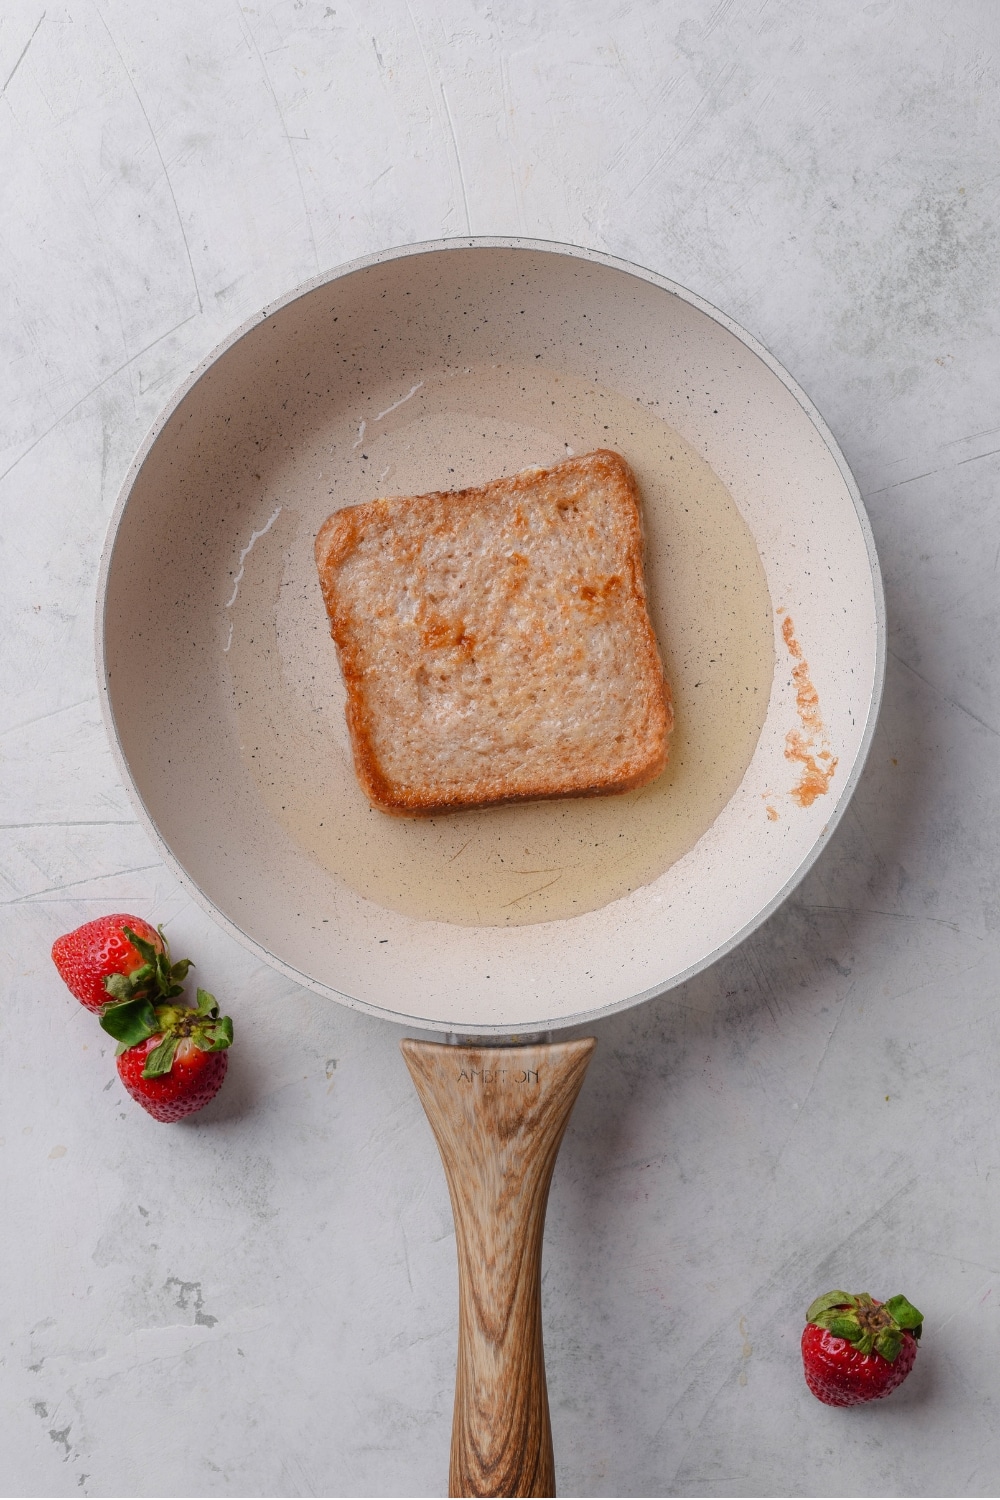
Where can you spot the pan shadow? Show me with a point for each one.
(649, 1055)
(242, 1089)
(861, 869)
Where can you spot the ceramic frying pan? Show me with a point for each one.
(449, 364)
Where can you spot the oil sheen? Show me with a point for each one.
(536, 862)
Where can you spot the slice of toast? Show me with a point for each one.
(495, 642)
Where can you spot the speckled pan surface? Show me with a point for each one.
(446, 365)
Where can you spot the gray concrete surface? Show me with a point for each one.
(262, 1302)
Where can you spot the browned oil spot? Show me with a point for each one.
(810, 745)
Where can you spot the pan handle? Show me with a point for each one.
(498, 1115)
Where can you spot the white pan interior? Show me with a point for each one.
(443, 366)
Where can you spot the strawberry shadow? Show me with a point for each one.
(821, 929)
(920, 1386)
(242, 1089)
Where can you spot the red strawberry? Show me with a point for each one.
(855, 1349)
(89, 955)
(195, 1078)
(171, 1058)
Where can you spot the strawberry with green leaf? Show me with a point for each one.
(855, 1349)
(114, 958)
(171, 1058)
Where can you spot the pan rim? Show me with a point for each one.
(533, 1024)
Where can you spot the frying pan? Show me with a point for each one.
(444, 365)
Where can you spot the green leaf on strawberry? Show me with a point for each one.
(827, 1303)
(841, 1325)
(217, 1032)
(130, 1021)
(904, 1314)
(888, 1343)
(161, 1059)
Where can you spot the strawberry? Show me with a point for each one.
(117, 958)
(171, 1058)
(855, 1349)
(91, 954)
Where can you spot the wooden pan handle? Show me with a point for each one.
(498, 1114)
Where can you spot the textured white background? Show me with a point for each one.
(262, 1301)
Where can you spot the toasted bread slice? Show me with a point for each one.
(495, 642)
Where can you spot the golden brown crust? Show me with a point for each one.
(587, 605)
